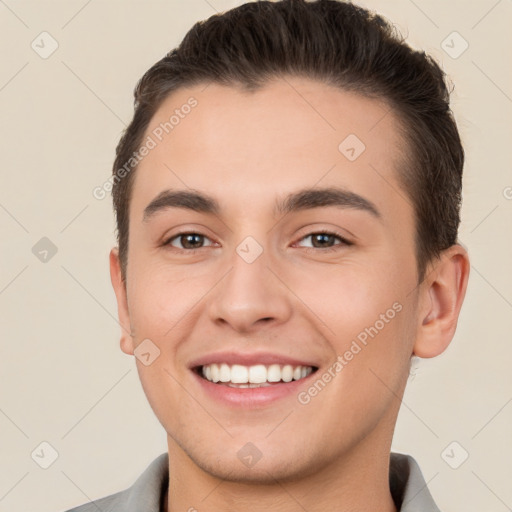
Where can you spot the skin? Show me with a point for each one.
(247, 150)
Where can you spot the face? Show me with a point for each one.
(267, 243)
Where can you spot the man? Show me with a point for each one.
(287, 200)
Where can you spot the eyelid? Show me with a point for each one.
(167, 241)
(345, 241)
(330, 232)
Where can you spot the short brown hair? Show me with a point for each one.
(336, 43)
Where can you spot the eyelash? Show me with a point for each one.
(336, 247)
(344, 242)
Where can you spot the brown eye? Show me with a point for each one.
(188, 241)
(324, 240)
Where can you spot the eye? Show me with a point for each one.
(189, 241)
(324, 240)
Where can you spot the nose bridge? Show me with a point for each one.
(250, 293)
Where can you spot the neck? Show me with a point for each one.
(355, 482)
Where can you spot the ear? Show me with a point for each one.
(122, 303)
(442, 294)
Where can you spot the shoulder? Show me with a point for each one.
(145, 494)
(407, 484)
(106, 504)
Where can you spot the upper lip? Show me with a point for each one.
(249, 359)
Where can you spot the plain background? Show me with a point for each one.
(64, 379)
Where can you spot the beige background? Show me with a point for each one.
(64, 379)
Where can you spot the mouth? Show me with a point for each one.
(254, 376)
(251, 380)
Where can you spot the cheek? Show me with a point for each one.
(162, 385)
(349, 297)
(364, 317)
(161, 301)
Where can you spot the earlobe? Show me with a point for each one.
(119, 286)
(443, 294)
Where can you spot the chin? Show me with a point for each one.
(265, 471)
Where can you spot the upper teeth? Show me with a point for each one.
(257, 374)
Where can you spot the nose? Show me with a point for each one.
(250, 296)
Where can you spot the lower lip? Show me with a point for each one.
(251, 397)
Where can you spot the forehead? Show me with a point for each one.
(292, 133)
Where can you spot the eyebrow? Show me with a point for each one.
(302, 200)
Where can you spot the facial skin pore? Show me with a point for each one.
(298, 298)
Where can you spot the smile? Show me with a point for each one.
(254, 376)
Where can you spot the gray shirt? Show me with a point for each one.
(407, 485)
